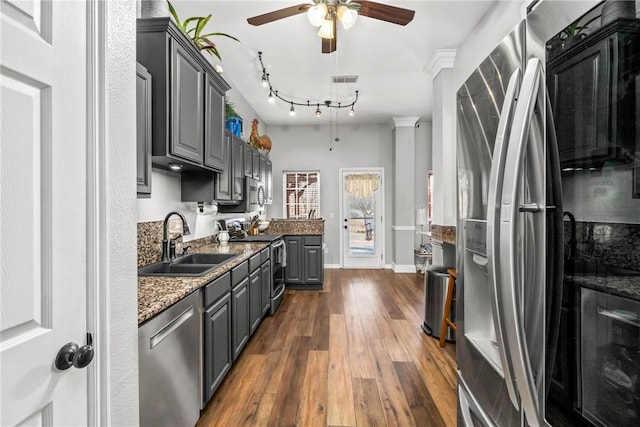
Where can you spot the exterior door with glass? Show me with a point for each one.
(362, 211)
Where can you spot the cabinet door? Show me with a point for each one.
(143, 126)
(265, 284)
(217, 345)
(256, 165)
(578, 89)
(248, 161)
(240, 316)
(187, 114)
(268, 183)
(313, 268)
(255, 300)
(237, 167)
(225, 179)
(213, 126)
(293, 270)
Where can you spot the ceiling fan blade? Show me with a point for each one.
(385, 12)
(330, 45)
(278, 14)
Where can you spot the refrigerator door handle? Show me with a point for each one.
(511, 310)
(469, 405)
(493, 227)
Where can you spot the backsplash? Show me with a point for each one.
(611, 244)
(150, 240)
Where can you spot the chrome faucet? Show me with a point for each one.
(169, 246)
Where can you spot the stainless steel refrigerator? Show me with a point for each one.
(548, 246)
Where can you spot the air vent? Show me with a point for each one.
(345, 79)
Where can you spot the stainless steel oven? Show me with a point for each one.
(278, 262)
(610, 368)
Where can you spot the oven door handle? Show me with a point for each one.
(624, 317)
(279, 293)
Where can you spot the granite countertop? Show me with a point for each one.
(155, 293)
(296, 226)
(623, 286)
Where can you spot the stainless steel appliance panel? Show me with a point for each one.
(169, 365)
(480, 103)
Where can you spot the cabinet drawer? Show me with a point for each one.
(313, 240)
(239, 273)
(254, 262)
(216, 289)
(264, 255)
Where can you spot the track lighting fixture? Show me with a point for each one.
(273, 94)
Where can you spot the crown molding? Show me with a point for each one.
(443, 58)
(405, 121)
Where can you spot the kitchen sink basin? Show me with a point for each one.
(204, 259)
(193, 265)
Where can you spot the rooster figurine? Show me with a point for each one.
(259, 141)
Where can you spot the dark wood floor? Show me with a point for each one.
(352, 354)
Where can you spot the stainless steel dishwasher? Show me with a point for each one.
(169, 365)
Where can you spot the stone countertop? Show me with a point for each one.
(155, 293)
(622, 286)
(295, 226)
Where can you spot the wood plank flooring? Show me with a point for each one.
(352, 354)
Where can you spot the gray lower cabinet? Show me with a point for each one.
(217, 344)
(240, 307)
(305, 261)
(217, 356)
(265, 285)
(143, 126)
(255, 300)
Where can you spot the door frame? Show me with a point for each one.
(382, 233)
(111, 236)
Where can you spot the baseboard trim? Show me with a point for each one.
(332, 266)
(399, 268)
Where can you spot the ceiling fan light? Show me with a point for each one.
(326, 29)
(316, 14)
(347, 16)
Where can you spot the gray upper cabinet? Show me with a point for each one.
(213, 126)
(256, 165)
(143, 125)
(187, 139)
(224, 180)
(248, 161)
(188, 98)
(268, 183)
(237, 168)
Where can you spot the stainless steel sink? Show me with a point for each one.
(193, 265)
(204, 258)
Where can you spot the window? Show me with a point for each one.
(301, 194)
(429, 199)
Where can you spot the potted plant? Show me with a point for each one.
(194, 32)
(233, 121)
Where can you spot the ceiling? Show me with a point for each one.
(390, 60)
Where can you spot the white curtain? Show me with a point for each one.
(361, 185)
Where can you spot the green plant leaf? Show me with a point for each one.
(175, 15)
(202, 24)
(220, 34)
(212, 50)
(187, 21)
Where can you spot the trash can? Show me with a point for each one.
(436, 280)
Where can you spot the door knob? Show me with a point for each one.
(72, 355)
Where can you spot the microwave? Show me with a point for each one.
(253, 199)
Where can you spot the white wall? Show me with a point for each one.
(307, 148)
(423, 164)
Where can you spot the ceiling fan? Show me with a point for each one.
(325, 14)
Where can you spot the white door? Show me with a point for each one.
(43, 209)
(362, 215)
